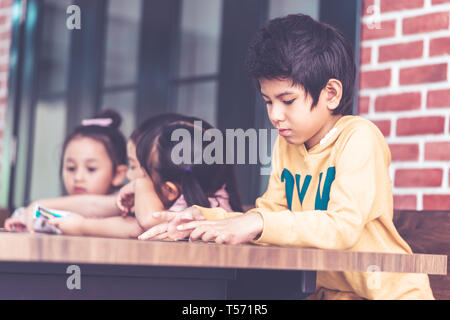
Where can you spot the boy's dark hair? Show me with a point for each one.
(109, 135)
(307, 51)
(196, 182)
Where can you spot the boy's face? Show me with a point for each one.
(135, 171)
(290, 112)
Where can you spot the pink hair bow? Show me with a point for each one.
(102, 122)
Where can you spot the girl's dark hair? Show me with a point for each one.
(109, 135)
(196, 182)
(306, 51)
(152, 122)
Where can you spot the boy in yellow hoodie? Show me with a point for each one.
(329, 187)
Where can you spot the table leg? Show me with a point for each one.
(272, 284)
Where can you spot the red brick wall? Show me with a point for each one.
(405, 90)
(5, 35)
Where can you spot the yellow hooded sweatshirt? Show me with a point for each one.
(337, 195)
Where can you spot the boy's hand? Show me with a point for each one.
(235, 230)
(71, 225)
(125, 199)
(167, 230)
(158, 232)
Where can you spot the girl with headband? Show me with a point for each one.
(93, 166)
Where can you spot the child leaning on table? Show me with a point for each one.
(93, 165)
(159, 183)
(329, 187)
(89, 201)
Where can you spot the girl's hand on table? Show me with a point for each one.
(15, 225)
(125, 199)
(23, 222)
(71, 225)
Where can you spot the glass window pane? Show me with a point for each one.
(124, 103)
(201, 22)
(54, 52)
(50, 117)
(122, 42)
(198, 100)
(48, 138)
(278, 8)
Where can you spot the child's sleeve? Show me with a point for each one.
(274, 199)
(359, 193)
(217, 213)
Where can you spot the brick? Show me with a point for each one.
(4, 19)
(389, 5)
(440, 46)
(386, 30)
(404, 152)
(4, 67)
(423, 74)
(440, 1)
(4, 52)
(363, 105)
(375, 79)
(398, 102)
(436, 201)
(420, 125)
(366, 4)
(366, 55)
(384, 126)
(410, 50)
(405, 202)
(365, 10)
(439, 151)
(426, 23)
(438, 98)
(5, 35)
(416, 178)
(6, 3)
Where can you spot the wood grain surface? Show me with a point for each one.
(67, 249)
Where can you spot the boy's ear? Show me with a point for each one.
(170, 190)
(334, 93)
(121, 174)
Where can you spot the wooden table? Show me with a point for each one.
(35, 265)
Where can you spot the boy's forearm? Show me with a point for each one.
(112, 227)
